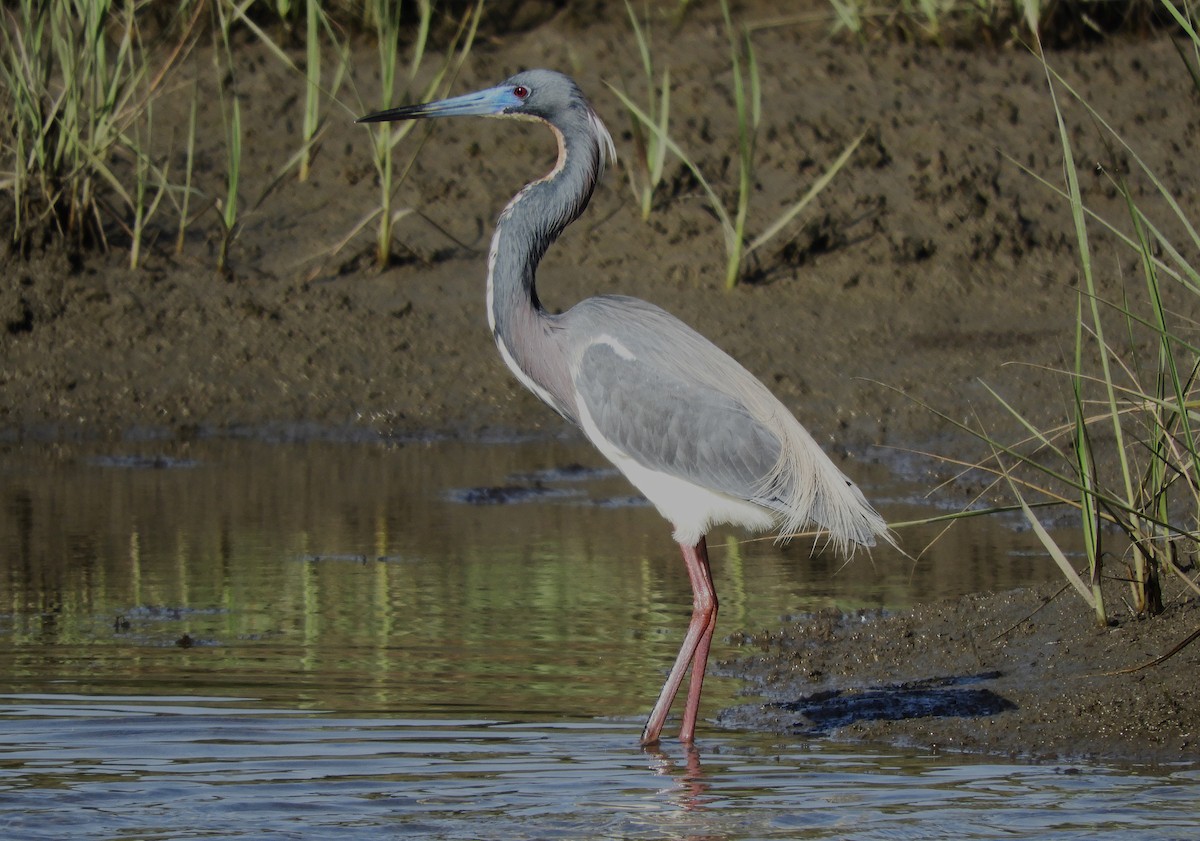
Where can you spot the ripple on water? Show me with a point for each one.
(191, 767)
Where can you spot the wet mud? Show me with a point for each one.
(1025, 673)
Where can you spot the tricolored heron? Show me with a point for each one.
(693, 430)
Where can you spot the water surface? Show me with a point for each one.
(447, 640)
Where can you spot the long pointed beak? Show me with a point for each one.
(489, 102)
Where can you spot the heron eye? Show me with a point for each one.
(520, 91)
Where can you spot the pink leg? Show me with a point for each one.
(693, 652)
(704, 599)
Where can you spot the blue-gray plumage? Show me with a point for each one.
(700, 436)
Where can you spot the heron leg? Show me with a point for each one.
(704, 599)
(693, 652)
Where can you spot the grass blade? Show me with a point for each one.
(793, 211)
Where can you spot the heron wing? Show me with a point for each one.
(674, 423)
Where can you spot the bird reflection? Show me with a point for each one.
(688, 774)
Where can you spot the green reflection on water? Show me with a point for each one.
(344, 577)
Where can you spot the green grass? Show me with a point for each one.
(312, 85)
(79, 160)
(649, 157)
(1126, 455)
(147, 177)
(185, 190)
(387, 136)
(969, 21)
(231, 119)
(733, 220)
(76, 78)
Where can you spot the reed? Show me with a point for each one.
(748, 112)
(146, 176)
(1185, 21)
(189, 168)
(70, 95)
(318, 29)
(231, 118)
(77, 86)
(1126, 457)
(971, 20)
(312, 85)
(76, 83)
(387, 136)
(387, 31)
(645, 170)
(747, 101)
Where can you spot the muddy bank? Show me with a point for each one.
(1025, 674)
(931, 263)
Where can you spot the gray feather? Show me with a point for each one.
(675, 425)
(684, 406)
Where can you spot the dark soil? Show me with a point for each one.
(1023, 673)
(930, 262)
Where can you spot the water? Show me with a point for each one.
(244, 640)
(195, 767)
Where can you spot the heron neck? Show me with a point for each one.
(534, 218)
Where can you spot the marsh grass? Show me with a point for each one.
(75, 79)
(147, 177)
(387, 30)
(319, 33)
(1126, 456)
(645, 171)
(76, 88)
(387, 136)
(231, 119)
(186, 191)
(747, 94)
(312, 85)
(969, 21)
(1186, 22)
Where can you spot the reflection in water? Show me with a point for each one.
(689, 779)
(331, 640)
(354, 577)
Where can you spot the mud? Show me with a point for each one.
(1026, 673)
(931, 263)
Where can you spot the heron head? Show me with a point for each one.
(531, 94)
(542, 94)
